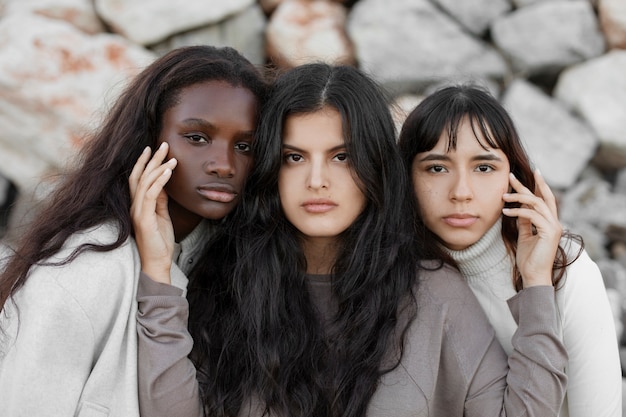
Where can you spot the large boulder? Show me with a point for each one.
(409, 44)
(54, 79)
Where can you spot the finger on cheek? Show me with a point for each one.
(163, 147)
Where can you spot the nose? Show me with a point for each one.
(461, 189)
(220, 160)
(318, 175)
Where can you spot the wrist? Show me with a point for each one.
(160, 274)
(536, 280)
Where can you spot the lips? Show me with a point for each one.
(460, 220)
(319, 205)
(221, 193)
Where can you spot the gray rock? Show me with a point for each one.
(619, 186)
(243, 31)
(4, 190)
(558, 143)
(78, 13)
(549, 36)
(408, 44)
(475, 15)
(523, 3)
(594, 238)
(54, 80)
(592, 201)
(596, 90)
(147, 22)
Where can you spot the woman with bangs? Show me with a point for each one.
(497, 221)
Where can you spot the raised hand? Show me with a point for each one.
(539, 230)
(153, 228)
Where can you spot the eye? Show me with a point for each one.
(341, 157)
(243, 147)
(484, 168)
(292, 157)
(195, 138)
(436, 169)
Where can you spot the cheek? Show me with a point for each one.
(424, 191)
(496, 192)
(243, 168)
(283, 187)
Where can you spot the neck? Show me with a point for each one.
(320, 254)
(488, 253)
(183, 221)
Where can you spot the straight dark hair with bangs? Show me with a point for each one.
(272, 345)
(441, 113)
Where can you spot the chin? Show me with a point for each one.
(459, 245)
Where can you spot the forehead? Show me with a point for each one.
(316, 128)
(216, 99)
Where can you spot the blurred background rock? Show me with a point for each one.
(558, 66)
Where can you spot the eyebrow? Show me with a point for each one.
(445, 157)
(205, 124)
(295, 148)
(197, 122)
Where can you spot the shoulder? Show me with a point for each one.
(92, 277)
(102, 234)
(91, 290)
(450, 322)
(582, 274)
(442, 283)
(443, 291)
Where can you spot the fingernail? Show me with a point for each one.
(538, 171)
(512, 175)
(163, 145)
(146, 149)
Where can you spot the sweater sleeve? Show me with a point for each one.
(167, 378)
(536, 380)
(536, 377)
(595, 383)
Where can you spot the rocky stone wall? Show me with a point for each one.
(559, 67)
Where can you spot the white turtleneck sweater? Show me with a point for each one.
(594, 372)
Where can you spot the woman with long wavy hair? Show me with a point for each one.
(323, 298)
(67, 291)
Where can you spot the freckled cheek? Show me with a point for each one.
(499, 191)
(425, 190)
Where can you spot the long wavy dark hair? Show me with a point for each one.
(96, 191)
(261, 336)
(442, 112)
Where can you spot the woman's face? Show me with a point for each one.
(318, 192)
(460, 191)
(209, 131)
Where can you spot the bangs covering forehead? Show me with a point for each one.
(480, 128)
